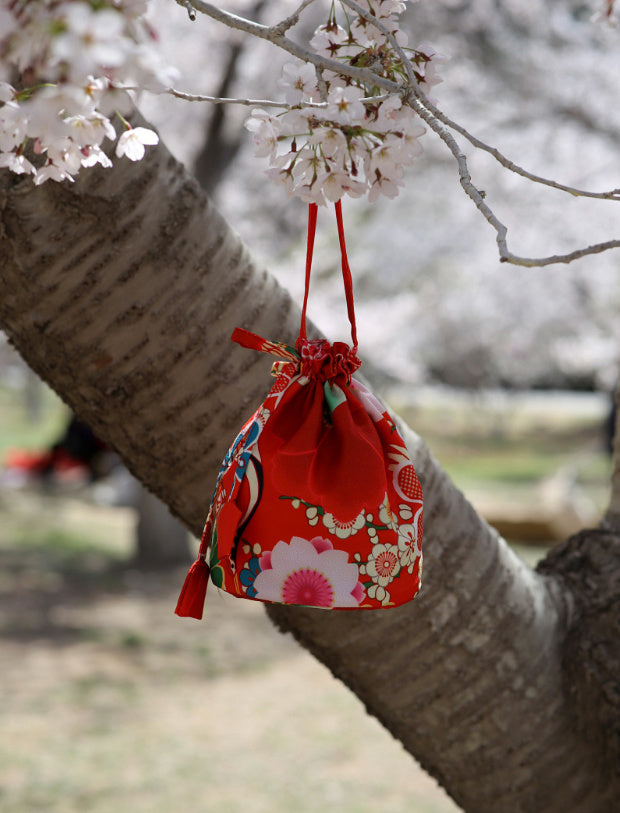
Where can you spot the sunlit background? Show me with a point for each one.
(109, 701)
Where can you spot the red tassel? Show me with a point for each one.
(192, 596)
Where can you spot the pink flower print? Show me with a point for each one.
(310, 573)
(308, 587)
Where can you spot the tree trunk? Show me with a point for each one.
(161, 539)
(122, 291)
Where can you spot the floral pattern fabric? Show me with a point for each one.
(317, 502)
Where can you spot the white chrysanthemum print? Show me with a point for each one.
(383, 564)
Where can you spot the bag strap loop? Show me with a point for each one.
(346, 271)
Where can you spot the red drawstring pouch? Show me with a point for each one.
(317, 502)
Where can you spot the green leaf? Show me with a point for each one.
(217, 576)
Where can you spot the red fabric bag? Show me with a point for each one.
(317, 502)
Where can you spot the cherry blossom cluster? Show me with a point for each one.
(62, 65)
(338, 135)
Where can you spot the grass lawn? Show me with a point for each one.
(17, 430)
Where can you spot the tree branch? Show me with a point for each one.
(613, 194)
(505, 255)
(412, 95)
(272, 34)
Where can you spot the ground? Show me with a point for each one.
(108, 701)
(111, 702)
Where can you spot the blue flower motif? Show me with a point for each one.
(240, 452)
(230, 455)
(248, 574)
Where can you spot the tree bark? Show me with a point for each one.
(612, 515)
(161, 540)
(122, 291)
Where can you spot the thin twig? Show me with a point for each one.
(191, 11)
(505, 255)
(528, 262)
(412, 95)
(197, 97)
(194, 97)
(271, 34)
(284, 25)
(464, 176)
(613, 194)
(414, 87)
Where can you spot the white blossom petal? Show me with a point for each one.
(132, 141)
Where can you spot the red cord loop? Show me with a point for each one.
(346, 271)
